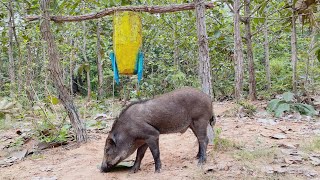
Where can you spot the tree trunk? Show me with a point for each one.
(10, 52)
(294, 56)
(99, 65)
(18, 63)
(86, 59)
(266, 54)
(238, 54)
(312, 55)
(71, 68)
(176, 48)
(311, 59)
(29, 92)
(204, 60)
(252, 77)
(1, 73)
(55, 74)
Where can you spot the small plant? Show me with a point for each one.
(222, 144)
(287, 104)
(48, 132)
(312, 145)
(17, 143)
(248, 108)
(37, 156)
(246, 155)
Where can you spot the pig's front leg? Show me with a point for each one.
(140, 154)
(153, 143)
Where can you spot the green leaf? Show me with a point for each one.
(80, 68)
(305, 109)
(288, 96)
(53, 100)
(273, 104)
(281, 108)
(318, 54)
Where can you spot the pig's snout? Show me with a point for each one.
(105, 167)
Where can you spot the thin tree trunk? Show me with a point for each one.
(252, 77)
(266, 54)
(84, 48)
(10, 52)
(176, 48)
(311, 58)
(29, 92)
(55, 74)
(19, 58)
(294, 56)
(72, 58)
(204, 59)
(238, 54)
(99, 64)
(1, 73)
(312, 55)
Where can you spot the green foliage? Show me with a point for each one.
(53, 100)
(222, 144)
(281, 75)
(246, 155)
(17, 143)
(312, 144)
(48, 132)
(248, 107)
(287, 104)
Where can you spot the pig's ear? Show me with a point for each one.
(112, 140)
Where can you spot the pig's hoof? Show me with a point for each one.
(157, 171)
(134, 169)
(198, 156)
(201, 161)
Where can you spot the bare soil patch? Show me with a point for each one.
(254, 148)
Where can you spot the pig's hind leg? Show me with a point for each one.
(199, 129)
(153, 144)
(140, 154)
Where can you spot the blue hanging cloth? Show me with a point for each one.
(114, 67)
(138, 69)
(139, 66)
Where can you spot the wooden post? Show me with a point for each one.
(56, 72)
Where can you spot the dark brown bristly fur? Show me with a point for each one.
(140, 124)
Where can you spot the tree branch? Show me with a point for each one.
(110, 11)
(229, 6)
(257, 9)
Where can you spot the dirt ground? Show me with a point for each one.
(257, 147)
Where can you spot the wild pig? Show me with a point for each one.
(140, 124)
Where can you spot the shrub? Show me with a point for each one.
(287, 104)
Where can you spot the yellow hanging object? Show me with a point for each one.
(127, 40)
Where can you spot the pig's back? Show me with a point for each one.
(173, 112)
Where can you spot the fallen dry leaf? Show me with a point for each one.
(315, 160)
(288, 145)
(19, 155)
(278, 136)
(293, 159)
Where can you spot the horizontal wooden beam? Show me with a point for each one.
(110, 11)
